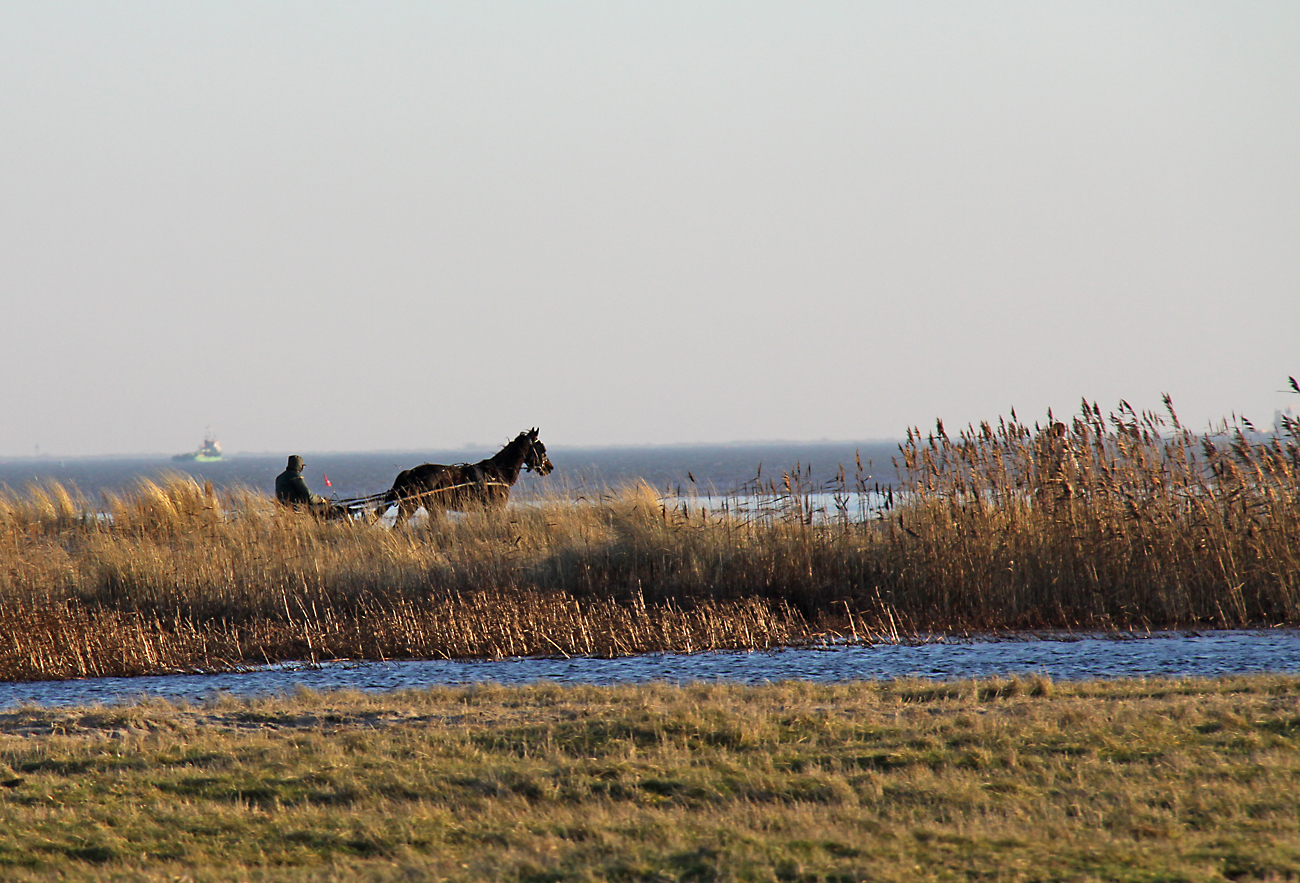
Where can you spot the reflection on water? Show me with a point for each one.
(1063, 658)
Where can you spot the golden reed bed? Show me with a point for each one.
(1120, 521)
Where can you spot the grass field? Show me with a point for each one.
(984, 780)
(1105, 522)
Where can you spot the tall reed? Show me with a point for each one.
(1127, 520)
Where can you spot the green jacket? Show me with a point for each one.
(291, 487)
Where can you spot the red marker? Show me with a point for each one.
(327, 479)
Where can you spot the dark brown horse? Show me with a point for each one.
(462, 486)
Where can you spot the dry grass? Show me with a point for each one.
(177, 578)
(1118, 522)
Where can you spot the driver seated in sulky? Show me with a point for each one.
(291, 489)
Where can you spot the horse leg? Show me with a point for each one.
(406, 507)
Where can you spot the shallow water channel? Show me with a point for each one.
(1062, 657)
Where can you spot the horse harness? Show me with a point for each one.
(481, 482)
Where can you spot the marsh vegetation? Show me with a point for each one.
(1106, 522)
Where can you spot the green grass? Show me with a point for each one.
(1012, 779)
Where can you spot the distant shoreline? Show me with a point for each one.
(464, 449)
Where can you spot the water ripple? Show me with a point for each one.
(1206, 654)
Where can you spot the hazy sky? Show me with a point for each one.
(323, 226)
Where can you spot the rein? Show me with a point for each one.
(456, 487)
(357, 502)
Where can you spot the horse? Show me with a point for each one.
(463, 486)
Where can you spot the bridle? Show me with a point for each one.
(531, 462)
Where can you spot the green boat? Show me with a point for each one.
(208, 452)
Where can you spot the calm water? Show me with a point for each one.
(1076, 658)
(713, 467)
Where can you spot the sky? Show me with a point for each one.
(318, 226)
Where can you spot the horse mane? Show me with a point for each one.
(511, 450)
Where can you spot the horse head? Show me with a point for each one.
(535, 459)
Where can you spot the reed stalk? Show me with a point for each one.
(1123, 521)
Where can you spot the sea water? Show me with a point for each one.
(677, 469)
